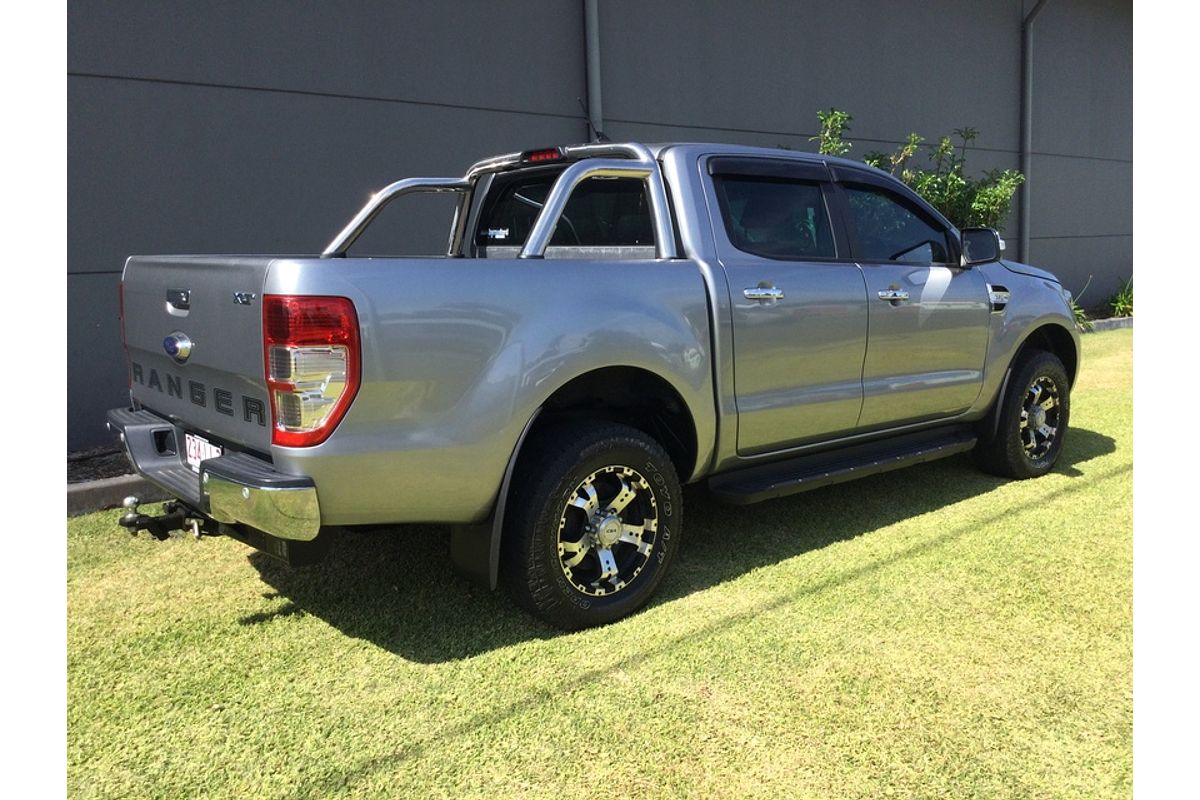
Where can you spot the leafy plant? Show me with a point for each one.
(894, 161)
(1121, 303)
(967, 202)
(834, 124)
(1081, 318)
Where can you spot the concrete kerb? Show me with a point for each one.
(1113, 324)
(89, 496)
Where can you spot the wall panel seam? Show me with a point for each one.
(1087, 236)
(330, 95)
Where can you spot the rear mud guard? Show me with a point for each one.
(475, 549)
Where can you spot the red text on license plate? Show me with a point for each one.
(199, 449)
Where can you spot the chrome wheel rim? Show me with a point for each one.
(607, 530)
(1041, 413)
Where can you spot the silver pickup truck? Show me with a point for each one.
(608, 321)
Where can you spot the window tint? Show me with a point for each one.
(600, 212)
(513, 208)
(775, 218)
(890, 229)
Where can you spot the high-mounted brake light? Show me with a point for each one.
(542, 156)
(311, 356)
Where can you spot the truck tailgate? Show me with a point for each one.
(208, 311)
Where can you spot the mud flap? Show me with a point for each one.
(471, 552)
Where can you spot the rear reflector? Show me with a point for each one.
(311, 356)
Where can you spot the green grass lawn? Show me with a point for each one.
(933, 632)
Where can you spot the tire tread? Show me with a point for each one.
(552, 453)
(999, 452)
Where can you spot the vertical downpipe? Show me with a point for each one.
(1027, 125)
(591, 27)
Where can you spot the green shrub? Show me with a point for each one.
(1081, 318)
(833, 124)
(982, 202)
(1121, 303)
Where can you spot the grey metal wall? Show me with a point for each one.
(261, 127)
(756, 72)
(202, 127)
(1082, 173)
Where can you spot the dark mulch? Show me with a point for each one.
(99, 462)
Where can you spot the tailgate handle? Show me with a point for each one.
(179, 300)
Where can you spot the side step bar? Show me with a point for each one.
(767, 481)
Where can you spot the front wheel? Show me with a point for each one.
(1033, 416)
(595, 524)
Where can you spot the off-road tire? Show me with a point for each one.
(551, 477)
(1007, 450)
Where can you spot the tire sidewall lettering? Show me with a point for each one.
(663, 490)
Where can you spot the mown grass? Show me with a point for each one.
(933, 632)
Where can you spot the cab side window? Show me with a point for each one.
(606, 212)
(601, 212)
(775, 218)
(890, 229)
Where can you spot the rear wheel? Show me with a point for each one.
(1033, 417)
(595, 524)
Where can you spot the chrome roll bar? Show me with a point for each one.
(632, 150)
(572, 176)
(341, 243)
(493, 164)
(599, 160)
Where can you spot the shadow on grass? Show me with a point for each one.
(396, 587)
(917, 480)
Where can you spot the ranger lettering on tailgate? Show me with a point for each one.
(252, 409)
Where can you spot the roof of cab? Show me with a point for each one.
(696, 150)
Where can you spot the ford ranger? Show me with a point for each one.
(607, 322)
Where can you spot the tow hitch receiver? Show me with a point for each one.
(175, 517)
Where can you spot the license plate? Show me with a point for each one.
(199, 449)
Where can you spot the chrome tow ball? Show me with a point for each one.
(129, 518)
(174, 517)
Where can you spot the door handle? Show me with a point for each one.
(894, 296)
(763, 293)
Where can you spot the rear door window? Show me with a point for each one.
(775, 218)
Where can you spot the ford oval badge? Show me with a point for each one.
(178, 346)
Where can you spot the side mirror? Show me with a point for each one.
(981, 245)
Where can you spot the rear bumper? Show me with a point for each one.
(234, 488)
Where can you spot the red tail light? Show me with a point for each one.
(311, 356)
